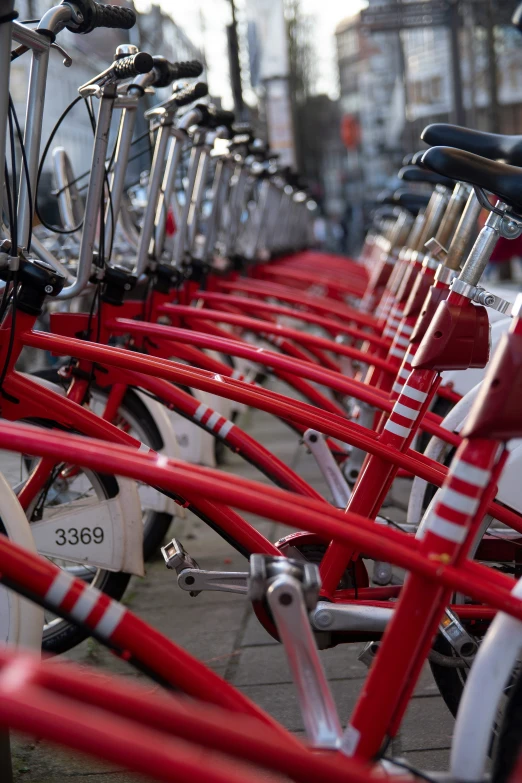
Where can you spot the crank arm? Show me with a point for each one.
(194, 580)
(349, 617)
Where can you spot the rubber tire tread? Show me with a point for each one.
(160, 525)
(509, 743)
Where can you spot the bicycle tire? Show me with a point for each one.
(508, 745)
(157, 525)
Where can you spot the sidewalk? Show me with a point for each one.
(221, 630)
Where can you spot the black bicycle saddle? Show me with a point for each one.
(503, 180)
(488, 145)
(416, 159)
(413, 202)
(417, 174)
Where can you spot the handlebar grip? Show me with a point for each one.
(98, 15)
(168, 72)
(131, 66)
(190, 94)
(220, 117)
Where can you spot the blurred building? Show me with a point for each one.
(156, 33)
(393, 84)
(371, 97)
(429, 89)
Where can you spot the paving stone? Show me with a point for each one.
(255, 634)
(428, 760)
(268, 665)
(427, 724)
(426, 685)
(281, 700)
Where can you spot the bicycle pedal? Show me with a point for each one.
(454, 632)
(368, 653)
(176, 557)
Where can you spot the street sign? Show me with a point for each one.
(389, 17)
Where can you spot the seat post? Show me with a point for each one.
(452, 214)
(434, 214)
(463, 232)
(484, 245)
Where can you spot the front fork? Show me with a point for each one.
(44, 468)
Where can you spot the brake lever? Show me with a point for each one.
(67, 59)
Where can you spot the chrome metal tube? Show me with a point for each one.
(401, 229)
(68, 195)
(418, 224)
(119, 172)
(261, 210)
(41, 251)
(452, 214)
(222, 176)
(155, 177)
(181, 235)
(167, 188)
(236, 208)
(94, 194)
(434, 218)
(318, 709)
(197, 195)
(53, 20)
(482, 249)
(5, 62)
(463, 232)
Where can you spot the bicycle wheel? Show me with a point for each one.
(73, 489)
(507, 744)
(134, 417)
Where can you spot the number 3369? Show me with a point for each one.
(83, 535)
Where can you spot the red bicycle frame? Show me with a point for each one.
(117, 626)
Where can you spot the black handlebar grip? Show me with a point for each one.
(98, 15)
(131, 66)
(190, 94)
(218, 117)
(168, 72)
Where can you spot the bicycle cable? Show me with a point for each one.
(12, 201)
(54, 229)
(412, 770)
(25, 167)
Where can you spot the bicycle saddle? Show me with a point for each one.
(503, 180)
(413, 202)
(488, 145)
(416, 159)
(417, 174)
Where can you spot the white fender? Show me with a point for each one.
(509, 490)
(103, 533)
(489, 675)
(21, 621)
(194, 443)
(163, 420)
(436, 449)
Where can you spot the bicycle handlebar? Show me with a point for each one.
(97, 15)
(133, 65)
(218, 117)
(168, 72)
(516, 19)
(190, 94)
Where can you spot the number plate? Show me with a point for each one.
(81, 531)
